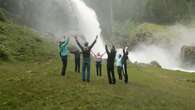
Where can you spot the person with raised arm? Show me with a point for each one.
(124, 62)
(63, 47)
(110, 64)
(98, 59)
(119, 66)
(86, 50)
(77, 58)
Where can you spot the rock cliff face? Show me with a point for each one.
(188, 55)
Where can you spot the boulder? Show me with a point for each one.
(188, 55)
(155, 64)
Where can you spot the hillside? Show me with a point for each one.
(21, 43)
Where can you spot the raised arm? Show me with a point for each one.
(114, 50)
(91, 46)
(125, 52)
(64, 44)
(107, 51)
(93, 53)
(78, 43)
(103, 54)
(67, 41)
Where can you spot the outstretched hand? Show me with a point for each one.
(127, 48)
(96, 37)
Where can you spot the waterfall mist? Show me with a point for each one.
(167, 55)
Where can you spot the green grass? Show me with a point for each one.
(21, 43)
(39, 86)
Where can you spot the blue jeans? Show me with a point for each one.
(86, 69)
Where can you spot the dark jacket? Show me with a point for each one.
(86, 50)
(125, 57)
(76, 54)
(111, 56)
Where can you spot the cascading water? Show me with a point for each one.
(88, 24)
(57, 17)
(61, 16)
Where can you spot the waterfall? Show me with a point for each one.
(60, 16)
(88, 24)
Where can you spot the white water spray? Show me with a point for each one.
(168, 57)
(88, 24)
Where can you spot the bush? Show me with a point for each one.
(4, 54)
(3, 16)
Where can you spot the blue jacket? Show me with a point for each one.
(63, 46)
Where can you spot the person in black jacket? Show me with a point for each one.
(124, 63)
(86, 50)
(110, 64)
(77, 58)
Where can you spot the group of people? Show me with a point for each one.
(86, 51)
(121, 63)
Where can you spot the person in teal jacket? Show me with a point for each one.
(63, 46)
(119, 66)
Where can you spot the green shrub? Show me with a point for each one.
(4, 54)
(3, 16)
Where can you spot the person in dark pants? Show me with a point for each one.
(63, 46)
(124, 62)
(86, 50)
(98, 59)
(119, 66)
(110, 64)
(77, 58)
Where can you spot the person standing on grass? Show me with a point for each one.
(63, 46)
(86, 50)
(124, 63)
(119, 66)
(98, 58)
(77, 58)
(110, 64)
